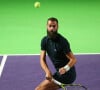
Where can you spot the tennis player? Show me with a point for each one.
(58, 49)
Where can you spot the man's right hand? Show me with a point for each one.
(49, 76)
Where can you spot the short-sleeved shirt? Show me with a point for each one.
(56, 49)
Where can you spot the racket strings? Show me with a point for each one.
(73, 87)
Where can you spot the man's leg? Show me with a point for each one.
(47, 85)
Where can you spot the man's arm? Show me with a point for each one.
(71, 63)
(72, 59)
(44, 65)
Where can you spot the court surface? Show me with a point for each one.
(23, 72)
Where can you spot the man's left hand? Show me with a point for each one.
(62, 71)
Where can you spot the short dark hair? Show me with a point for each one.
(52, 19)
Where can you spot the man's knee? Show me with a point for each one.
(37, 88)
(41, 86)
(47, 85)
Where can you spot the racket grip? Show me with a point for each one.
(56, 82)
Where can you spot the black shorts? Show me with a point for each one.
(67, 78)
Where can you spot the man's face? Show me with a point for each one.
(52, 28)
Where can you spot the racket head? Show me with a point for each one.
(70, 86)
(75, 87)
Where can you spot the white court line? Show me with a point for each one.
(20, 54)
(3, 64)
(39, 54)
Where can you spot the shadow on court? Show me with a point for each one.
(23, 72)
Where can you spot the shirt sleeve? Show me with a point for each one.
(66, 46)
(43, 44)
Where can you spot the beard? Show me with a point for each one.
(52, 34)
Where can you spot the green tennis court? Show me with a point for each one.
(22, 26)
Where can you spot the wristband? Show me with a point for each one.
(67, 67)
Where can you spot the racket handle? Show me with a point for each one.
(56, 82)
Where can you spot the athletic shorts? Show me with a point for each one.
(67, 78)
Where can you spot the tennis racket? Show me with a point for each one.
(70, 86)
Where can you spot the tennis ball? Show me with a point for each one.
(37, 4)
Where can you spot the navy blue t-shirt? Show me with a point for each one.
(56, 50)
